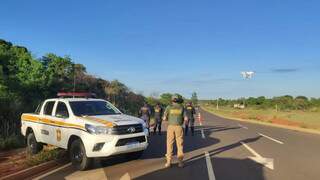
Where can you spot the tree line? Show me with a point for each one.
(165, 99)
(281, 103)
(25, 81)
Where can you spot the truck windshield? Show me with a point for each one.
(93, 108)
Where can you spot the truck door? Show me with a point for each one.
(47, 126)
(61, 117)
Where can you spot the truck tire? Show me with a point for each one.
(78, 156)
(134, 155)
(33, 147)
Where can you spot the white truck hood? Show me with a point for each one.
(116, 120)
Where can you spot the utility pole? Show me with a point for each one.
(217, 104)
(74, 79)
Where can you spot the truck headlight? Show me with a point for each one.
(98, 129)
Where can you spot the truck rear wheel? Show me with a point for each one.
(78, 156)
(33, 147)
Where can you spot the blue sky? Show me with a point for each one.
(182, 46)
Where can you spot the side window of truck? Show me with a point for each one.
(38, 110)
(62, 110)
(48, 108)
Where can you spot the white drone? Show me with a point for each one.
(248, 74)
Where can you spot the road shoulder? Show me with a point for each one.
(265, 123)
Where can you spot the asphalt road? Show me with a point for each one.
(222, 149)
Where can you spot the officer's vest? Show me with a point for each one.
(176, 115)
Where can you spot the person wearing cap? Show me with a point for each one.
(158, 113)
(190, 112)
(145, 114)
(175, 115)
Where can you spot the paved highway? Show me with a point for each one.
(221, 150)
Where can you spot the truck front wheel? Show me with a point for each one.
(78, 156)
(33, 147)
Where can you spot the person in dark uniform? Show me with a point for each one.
(190, 112)
(145, 114)
(158, 113)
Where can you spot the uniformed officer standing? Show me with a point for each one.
(175, 115)
(145, 114)
(158, 113)
(190, 112)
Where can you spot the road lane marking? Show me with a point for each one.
(52, 172)
(202, 134)
(267, 162)
(209, 167)
(272, 139)
(251, 150)
(242, 126)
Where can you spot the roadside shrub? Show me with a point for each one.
(11, 142)
(45, 156)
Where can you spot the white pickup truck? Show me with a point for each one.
(87, 128)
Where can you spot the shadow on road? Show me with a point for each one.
(224, 168)
(150, 166)
(157, 147)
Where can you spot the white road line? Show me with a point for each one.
(209, 166)
(267, 162)
(242, 126)
(272, 139)
(51, 172)
(202, 134)
(251, 150)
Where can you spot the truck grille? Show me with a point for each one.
(127, 129)
(123, 142)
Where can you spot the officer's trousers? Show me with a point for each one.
(174, 133)
(157, 126)
(190, 124)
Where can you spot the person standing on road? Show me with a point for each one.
(158, 113)
(190, 112)
(145, 114)
(175, 115)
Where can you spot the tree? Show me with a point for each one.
(194, 98)
(165, 99)
(25, 81)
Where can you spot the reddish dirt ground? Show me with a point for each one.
(286, 122)
(12, 161)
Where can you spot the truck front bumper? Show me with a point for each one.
(107, 145)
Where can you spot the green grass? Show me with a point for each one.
(303, 119)
(45, 156)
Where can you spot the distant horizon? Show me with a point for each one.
(193, 46)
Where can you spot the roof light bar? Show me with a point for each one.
(76, 94)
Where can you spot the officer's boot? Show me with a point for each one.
(180, 163)
(168, 164)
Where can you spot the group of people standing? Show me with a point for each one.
(180, 119)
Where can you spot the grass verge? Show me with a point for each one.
(299, 119)
(48, 154)
(11, 142)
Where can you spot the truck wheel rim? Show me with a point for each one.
(32, 143)
(78, 155)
